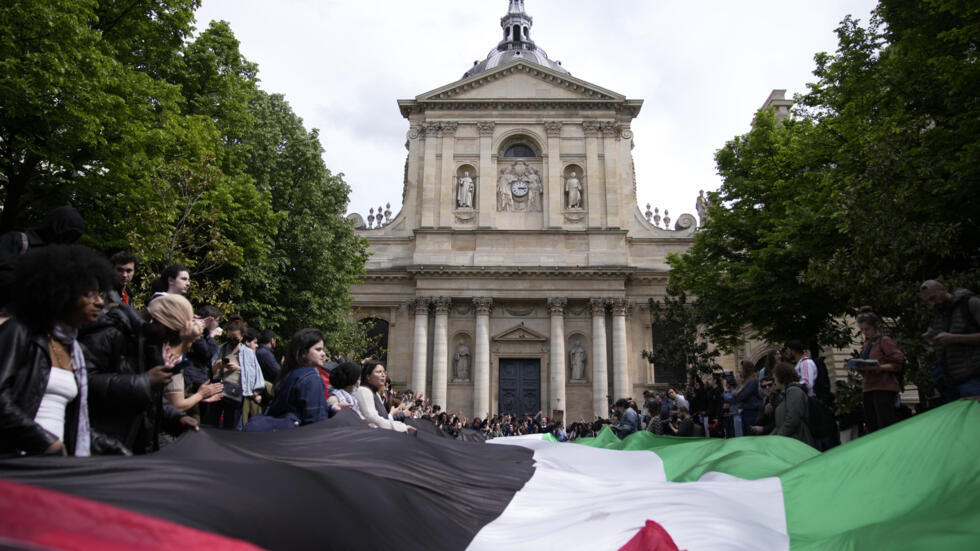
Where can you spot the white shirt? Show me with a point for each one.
(61, 389)
(807, 370)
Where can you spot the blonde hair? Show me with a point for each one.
(175, 313)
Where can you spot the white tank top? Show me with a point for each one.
(61, 390)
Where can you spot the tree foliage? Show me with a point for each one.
(168, 147)
(870, 188)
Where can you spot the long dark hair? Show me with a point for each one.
(366, 369)
(49, 280)
(299, 345)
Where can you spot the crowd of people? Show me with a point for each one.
(83, 372)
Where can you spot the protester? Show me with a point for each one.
(805, 367)
(627, 422)
(343, 381)
(371, 401)
(299, 393)
(955, 335)
(238, 370)
(879, 383)
(766, 421)
(175, 280)
(790, 416)
(267, 358)
(62, 226)
(43, 377)
(124, 266)
(747, 399)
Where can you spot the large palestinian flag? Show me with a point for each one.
(340, 485)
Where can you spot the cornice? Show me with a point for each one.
(410, 107)
(527, 272)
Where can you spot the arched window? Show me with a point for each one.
(377, 335)
(519, 150)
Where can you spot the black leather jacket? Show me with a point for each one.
(24, 369)
(123, 405)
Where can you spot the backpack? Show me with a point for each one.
(821, 387)
(820, 418)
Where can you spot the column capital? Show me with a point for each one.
(431, 130)
(486, 127)
(483, 305)
(591, 128)
(414, 131)
(556, 305)
(621, 306)
(442, 304)
(421, 304)
(448, 129)
(552, 128)
(598, 306)
(610, 130)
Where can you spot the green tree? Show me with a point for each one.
(77, 124)
(315, 255)
(765, 225)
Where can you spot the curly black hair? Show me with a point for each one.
(48, 280)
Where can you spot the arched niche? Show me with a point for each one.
(573, 187)
(461, 358)
(577, 350)
(465, 192)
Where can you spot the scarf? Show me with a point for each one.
(65, 334)
(345, 397)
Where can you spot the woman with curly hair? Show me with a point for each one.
(43, 380)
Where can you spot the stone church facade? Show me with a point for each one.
(517, 276)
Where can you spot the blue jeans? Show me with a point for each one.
(969, 388)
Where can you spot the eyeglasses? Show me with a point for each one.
(94, 296)
(767, 385)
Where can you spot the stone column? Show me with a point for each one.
(430, 198)
(610, 149)
(413, 187)
(600, 375)
(440, 352)
(420, 352)
(556, 379)
(487, 184)
(481, 363)
(621, 371)
(554, 186)
(447, 181)
(596, 200)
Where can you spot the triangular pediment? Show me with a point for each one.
(520, 80)
(519, 333)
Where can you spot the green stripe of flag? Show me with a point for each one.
(914, 485)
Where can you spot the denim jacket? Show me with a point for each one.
(302, 395)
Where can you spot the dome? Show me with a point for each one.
(496, 58)
(516, 44)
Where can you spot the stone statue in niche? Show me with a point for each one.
(519, 189)
(573, 187)
(461, 362)
(576, 359)
(464, 192)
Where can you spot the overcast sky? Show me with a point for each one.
(702, 68)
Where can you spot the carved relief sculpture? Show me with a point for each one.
(464, 193)
(461, 362)
(573, 189)
(519, 189)
(577, 358)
